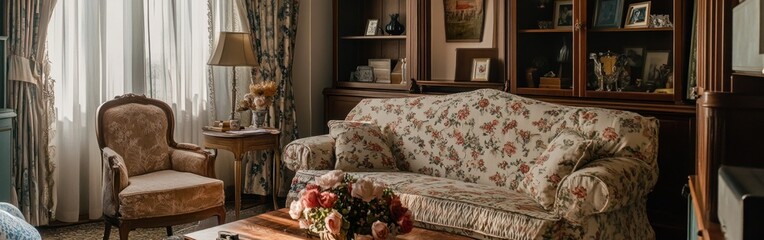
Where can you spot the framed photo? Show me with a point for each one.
(365, 74)
(635, 56)
(381, 70)
(608, 14)
(563, 14)
(480, 69)
(657, 68)
(464, 20)
(638, 14)
(371, 27)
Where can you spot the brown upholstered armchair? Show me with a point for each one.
(149, 180)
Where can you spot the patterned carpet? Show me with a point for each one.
(94, 230)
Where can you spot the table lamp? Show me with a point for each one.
(233, 49)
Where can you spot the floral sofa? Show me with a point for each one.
(492, 165)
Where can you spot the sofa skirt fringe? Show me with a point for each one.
(486, 223)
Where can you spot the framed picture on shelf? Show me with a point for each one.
(480, 69)
(365, 74)
(657, 69)
(563, 14)
(371, 27)
(608, 14)
(634, 56)
(464, 20)
(638, 14)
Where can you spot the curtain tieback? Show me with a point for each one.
(19, 69)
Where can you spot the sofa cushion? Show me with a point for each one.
(359, 146)
(470, 209)
(563, 155)
(169, 192)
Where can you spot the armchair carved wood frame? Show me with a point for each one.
(149, 180)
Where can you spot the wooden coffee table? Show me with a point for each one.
(278, 225)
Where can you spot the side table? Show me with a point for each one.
(239, 144)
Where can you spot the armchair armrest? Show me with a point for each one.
(187, 157)
(115, 179)
(311, 153)
(604, 185)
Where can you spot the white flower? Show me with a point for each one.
(363, 189)
(295, 209)
(304, 223)
(330, 180)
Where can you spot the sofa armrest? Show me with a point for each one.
(115, 179)
(311, 153)
(604, 185)
(187, 157)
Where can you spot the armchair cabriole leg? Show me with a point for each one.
(106, 230)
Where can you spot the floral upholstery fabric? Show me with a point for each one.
(359, 146)
(13, 226)
(310, 153)
(190, 161)
(112, 162)
(137, 132)
(169, 192)
(492, 138)
(564, 154)
(604, 185)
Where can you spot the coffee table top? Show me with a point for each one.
(278, 225)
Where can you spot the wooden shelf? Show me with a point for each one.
(384, 86)
(455, 84)
(632, 30)
(388, 37)
(545, 91)
(551, 30)
(631, 95)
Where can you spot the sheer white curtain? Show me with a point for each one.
(177, 48)
(101, 49)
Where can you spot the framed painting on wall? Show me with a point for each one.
(464, 20)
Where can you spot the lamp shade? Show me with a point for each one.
(233, 49)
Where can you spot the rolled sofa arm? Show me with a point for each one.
(604, 185)
(115, 179)
(311, 153)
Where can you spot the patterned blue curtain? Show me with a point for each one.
(273, 25)
(30, 94)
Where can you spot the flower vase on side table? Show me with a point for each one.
(258, 118)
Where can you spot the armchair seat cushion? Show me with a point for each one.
(167, 193)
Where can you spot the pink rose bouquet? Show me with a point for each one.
(339, 206)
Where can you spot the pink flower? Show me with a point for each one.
(333, 222)
(379, 189)
(331, 179)
(405, 223)
(379, 230)
(363, 189)
(295, 209)
(363, 237)
(310, 198)
(327, 199)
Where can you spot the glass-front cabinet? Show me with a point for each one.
(606, 49)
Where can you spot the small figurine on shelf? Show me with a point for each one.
(258, 99)
(608, 67)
